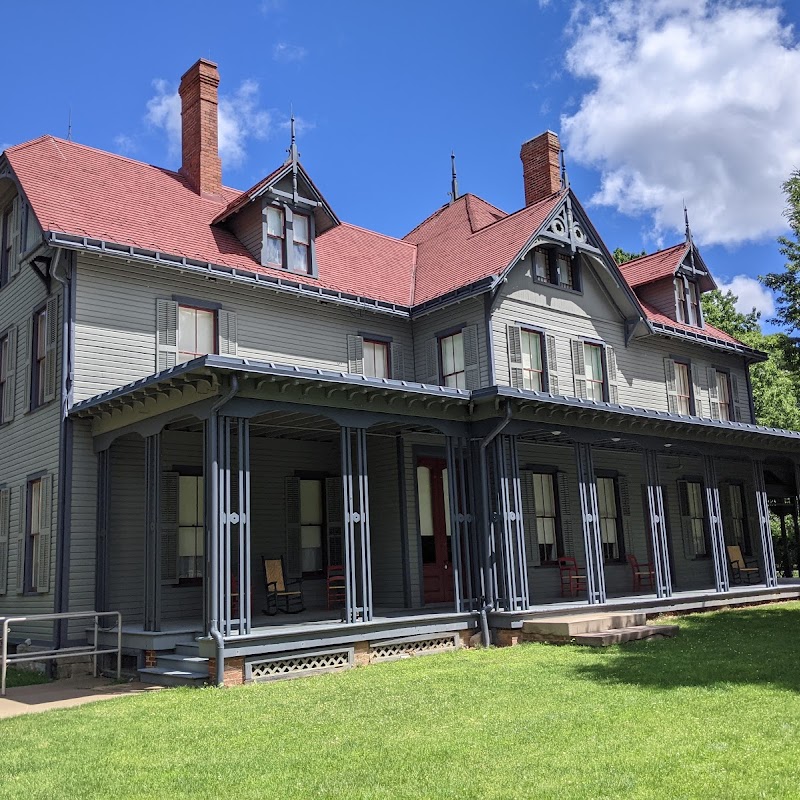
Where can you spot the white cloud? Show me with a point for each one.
(751, 294)
(240, 119)
(283, 51)
(691, 100)
(126, 145)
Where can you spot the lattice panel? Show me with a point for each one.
(413, 647)
(288, 667)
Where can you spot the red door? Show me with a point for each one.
(437, 556)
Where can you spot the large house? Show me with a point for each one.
(438, 435)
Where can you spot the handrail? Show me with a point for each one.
(63, 652)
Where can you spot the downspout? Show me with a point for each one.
(487, 554)
(213, 624)
(749, 384)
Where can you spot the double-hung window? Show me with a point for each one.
(376, 359)
(724, 395)
(541, 266)
(36, 554)
(609, 519)
(197, 332)
(595, 373)
(694, 515)
(287, 240)
(687, 302)
(275, 246)
(532, 363)
(301, 243)
(564, 265)
(312, 524)
(191, 526)
(451, 351)
(547, 523)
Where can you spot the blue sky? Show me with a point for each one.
(656, 102)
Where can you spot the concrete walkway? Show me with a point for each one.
(65, 694)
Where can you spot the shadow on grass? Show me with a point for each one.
(759, 646)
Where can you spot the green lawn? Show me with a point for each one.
(24, 677)
(714, 713)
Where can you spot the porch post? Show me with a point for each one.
(152, 538)
(658, 525)
(101, 599)
(714, 512)
(590, 514)
(357, 543)
(764, 529)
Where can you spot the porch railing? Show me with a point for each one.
(91, 649)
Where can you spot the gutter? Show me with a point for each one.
(213, 623)
(489, 603)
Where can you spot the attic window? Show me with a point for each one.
(687, 302)
(288, 240)
(556, 268)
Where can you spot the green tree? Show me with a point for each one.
(623, 256)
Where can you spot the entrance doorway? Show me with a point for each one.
(434, 528)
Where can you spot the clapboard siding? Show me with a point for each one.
(246, 226)
(660, 295)
(568, 315)
(29, 444)
(115, 323)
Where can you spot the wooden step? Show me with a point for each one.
(166, 676)
(621, 635)
(571, 625)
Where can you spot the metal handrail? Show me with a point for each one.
(63, 652)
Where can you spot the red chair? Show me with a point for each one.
(336, 586)
(572, 581)
(642, 573)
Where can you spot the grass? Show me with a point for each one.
(24, 677)
(713, 713)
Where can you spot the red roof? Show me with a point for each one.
(656, 266)
(654, 315)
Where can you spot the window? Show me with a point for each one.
(687, 302)
(197, 333)
(695, 517)
(276, 235)
(451, 349)
(532, 368)
(610, 530)
(36, 575)
(595, 376)
(376, 359)
(693, 304)
(5, 245)
(724, 395)
(302, 244)
(6, 378)
(565, 277)
(547, 523)
(39, 358)
(541, 266)
(191, 526)
(311, 525)
(558, 269)
(287, 240)
(683, 388)
(738, 517)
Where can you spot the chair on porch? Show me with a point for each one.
(336, 586)
(279, 590)
(572, 581)
(641, 573)
(742, 567)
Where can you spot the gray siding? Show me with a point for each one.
(246, 226)
(661, 295)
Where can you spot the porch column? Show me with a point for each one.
(658, 525)
(152, 537)
(357, 543)
(512, 564)
(714, 512)
(462, 522)
(590, 514)
(101, 599)
(764, 528)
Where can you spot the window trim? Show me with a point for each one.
(687, 362)
(289, 211)
(726, 373)
(29, 587)
(747, 545)
(188, 471)
(541, 333)
(683, 292)
(215, 335)
(321, 477)
(706, 528)
(6, 243)
(552, 254)
(614, 476)
(603, 363)
(35, 381)
(440, 337)
(387, 345)
(5, 336)
(549, 469)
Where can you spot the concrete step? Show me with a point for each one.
(181, 661)
(621, 635)
(571, 625)
(163, 676)
(188, 648)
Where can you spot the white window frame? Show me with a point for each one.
(724, 395)
(371, 348)
(212, 314)
(529, 372)
(594, 382)
(457, 378)
(198, 529)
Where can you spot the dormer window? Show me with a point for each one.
(288, 236)
(302, 244)
(687, 302)
(556, 268)
(274, 245)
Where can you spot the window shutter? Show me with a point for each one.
(736, 403)
(14, 222)
(672, 386)
(625, 511)
(472, 370)
(397, 359)
(355, 355)
(334, 521)
(228, 334)
(686, 521)
(727, 512)
(611, 369)
(514, 336)
(21, 531)
(169, 526)
(696, 389)
(10, 378)
(29, 356)
(42, 569)
(713, 395)
(166, 334)
(431, 363)
(565, 515)
(5, 526)
(552, 364)
(51, 350)
(529, 517)
(294, 553)
(578, 368)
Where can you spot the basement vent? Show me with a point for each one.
(413, 646)
(306, 664)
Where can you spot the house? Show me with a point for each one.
(421, 429)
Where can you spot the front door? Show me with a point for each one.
(434, 529)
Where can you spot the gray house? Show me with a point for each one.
(434, 436)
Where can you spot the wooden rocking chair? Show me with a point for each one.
(572, 581)
(742, 567)
(279, 590)
(641, 573)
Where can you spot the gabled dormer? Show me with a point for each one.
(279, 219)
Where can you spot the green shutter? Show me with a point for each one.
(14, 223)
(529, 517)
(578, 368)
(50, 389)
(686, 521)
(294, 547)
(430, 362)
(5, 530)
(565, 515)
(355, 355)
(334, 521)
(10, 378)
(166, 334)
(228, 334)
(472, 371)
(22, 504)
(42, 569)
(397, 358)
(169, 526)
(514, 337)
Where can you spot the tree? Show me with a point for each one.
(623, 256)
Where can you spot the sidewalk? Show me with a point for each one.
(65, 694)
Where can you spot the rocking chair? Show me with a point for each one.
(641, 574)
(572, 581)
(279, 590)
(742, 567)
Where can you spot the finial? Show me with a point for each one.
(453, 178)
(689, 240)
(292, 151)
(564, 176)
(69, 125)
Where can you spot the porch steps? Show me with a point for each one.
(181, 667)
(594, 630)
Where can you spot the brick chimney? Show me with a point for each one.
(201, 164)
(541, 170)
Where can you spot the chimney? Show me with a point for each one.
(201, 164)
(540, 167)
